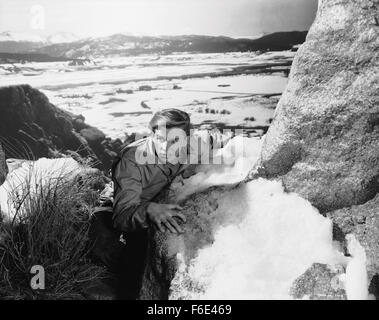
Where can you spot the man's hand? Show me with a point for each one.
(163, 215)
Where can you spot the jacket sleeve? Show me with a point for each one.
(129, 211)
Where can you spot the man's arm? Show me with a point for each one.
(129, 211)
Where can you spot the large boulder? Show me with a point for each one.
(323, 141)
(322, 145)
(31, 127)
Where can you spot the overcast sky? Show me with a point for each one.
(213, 17)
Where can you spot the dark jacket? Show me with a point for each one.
(135, 185)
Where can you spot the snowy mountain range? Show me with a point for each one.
(18, 42)
(68, 46)
(60, 37)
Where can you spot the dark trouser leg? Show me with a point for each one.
(134, 258)
(106, 247)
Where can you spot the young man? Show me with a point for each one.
(142, 170)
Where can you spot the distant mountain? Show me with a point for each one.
(15, 42)
(124, 45)
(69, 46)
(279, 40)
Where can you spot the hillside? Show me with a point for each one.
(126, 45)
(120, 44)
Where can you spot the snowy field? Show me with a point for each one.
(119, 95)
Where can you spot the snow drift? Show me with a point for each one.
(278, 238)
(236, 159)
(26, 178)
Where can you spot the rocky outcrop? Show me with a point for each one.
(163, 248)
(362, 221)
(322, 144)
(3, 166)
(318, 283)
(323, 141)
(31, 127)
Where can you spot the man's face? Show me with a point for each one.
(170, 144)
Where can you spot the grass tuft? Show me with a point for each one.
(51, 229)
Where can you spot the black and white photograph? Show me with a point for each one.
(175, 151)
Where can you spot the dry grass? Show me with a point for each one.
(51, 230)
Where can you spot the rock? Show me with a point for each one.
(112, 100)
(128, 91)
(92, 135)
(323, 141)
(35, 128)
(145, 88)
(79, 122)
(144, 105)
(362, 221)
(3, 166)
(318, 283)
(80, 62)
(163, 248)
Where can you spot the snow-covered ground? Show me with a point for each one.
(271, 239)
(218, 89)
(259, 257)
(114, 69)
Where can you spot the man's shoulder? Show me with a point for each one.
(137, 150)
(127, 157)
(131, 148)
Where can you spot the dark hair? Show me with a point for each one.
(171, 118)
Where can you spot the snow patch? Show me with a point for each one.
(356, 282)
(238, 157)
(274, 237)
(27, 177)
(279, 238)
